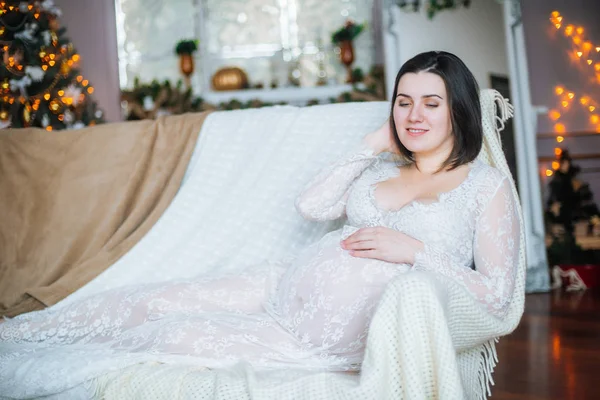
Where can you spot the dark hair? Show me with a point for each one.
(463, 102)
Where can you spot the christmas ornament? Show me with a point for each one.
(65, 68)
(26, 114)
(230, 78)
(54, 105)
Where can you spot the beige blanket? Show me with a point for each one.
(74, 202)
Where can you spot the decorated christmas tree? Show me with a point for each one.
(40, 84)
(570, 202)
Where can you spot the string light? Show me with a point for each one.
(560, 139)
(555, 165)
(554, 115)
(549, 173)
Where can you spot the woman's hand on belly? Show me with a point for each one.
(383, 244)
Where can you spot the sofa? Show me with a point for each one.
(234, 208)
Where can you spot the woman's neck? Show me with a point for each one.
(429, 164)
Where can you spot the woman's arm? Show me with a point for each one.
(496, 254)
(324, 198)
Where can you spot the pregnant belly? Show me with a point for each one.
(327, 297)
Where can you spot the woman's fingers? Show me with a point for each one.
(359, 245)
(365, 253)
(362, 234)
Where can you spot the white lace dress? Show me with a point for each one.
(312, 312)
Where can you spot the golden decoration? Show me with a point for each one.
(230, 78)
(54, 106)
(65, 68)
(27, 113)
(5, 84)
(42, 54)
(4, 115)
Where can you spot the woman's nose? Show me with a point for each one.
(416, 113)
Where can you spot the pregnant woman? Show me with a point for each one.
(430, 206)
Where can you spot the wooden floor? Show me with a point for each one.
(555, 351)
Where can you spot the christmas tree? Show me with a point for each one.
(570, 201)
(40, 84)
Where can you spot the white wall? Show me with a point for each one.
(475, 34)
(91, 27)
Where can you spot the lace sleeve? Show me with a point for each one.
(324, 198)
(496, 254)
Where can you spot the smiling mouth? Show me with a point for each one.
(416, 132)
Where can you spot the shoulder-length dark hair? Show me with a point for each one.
(463, 101)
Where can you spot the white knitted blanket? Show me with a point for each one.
(235, 209)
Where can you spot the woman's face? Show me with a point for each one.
(422, 115)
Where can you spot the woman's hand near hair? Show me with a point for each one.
(383, 244)
(381, 140)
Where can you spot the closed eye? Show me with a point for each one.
(432, 105)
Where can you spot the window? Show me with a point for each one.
(269, 39)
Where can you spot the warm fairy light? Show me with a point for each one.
(35, 107)
(565, 103)
(555, 165)
(598, 49)
(569, 30)
(579, 54)
(560, 128)
(597, 67)
(61, 117)
(584, 100)
(571, 95)
(591, 108)
(47, 96)
(30, 7)
(44, 67)
(51, 63)
(75, 57)
(557, 151)
(580, 30)
(587, 46)
(576, 40)
(557, 26)
(589, 62)
(554, 115)
(594, 119)
(52, 56)
(560, 139)
(90, 90)
(36, 15)
(559, 90)
(79, 78)
(555, 14)
(49, 128)
(85, 82)
(549, 172)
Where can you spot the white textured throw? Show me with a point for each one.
(236, 209)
